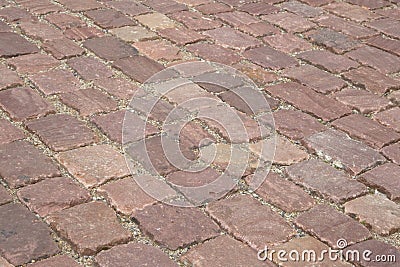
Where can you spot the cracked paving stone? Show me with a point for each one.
(175, 227)
(94, 165)
(56, 261)
(377, 212)
(53, 195)
(90, 227)
(327, 181)
(330, 225)
(24, 237)
(62, 132)
(22, 163)
(9, 133)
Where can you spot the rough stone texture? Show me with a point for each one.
(89, 101)
(134, 254)
(383, 61)
(33, 63)
(129, 7)
(62, 48)
(9, 132)
(56, 81)
(110, 48)
(156, 21)
(65, 21)
(24, 103)
(349, 11)
(90, 68)
(284, 194)
(389, 45)
(367, 130)
(328, 61)
(325, 180)
(390, 118)
(118, 87)
(133, 33)
(250, 221)
(83, 33)
(214, 53)
(89, 227)
(315, 78)
(258, 8)
(24, 237)
(237, 18)
(52, 195)
(94, 165)
(11, 44)
(362, 100)
(22, 163)
(181, 35)
(332, 40)
(214, 253)
(259, 75)
(159, 50)
(195, 21)
(213, 8)
(308, 100)
(109, 18)
(5, 263)
(62, 132)
(56, 261)
(330, 225)
(384, 179)
(175, 227)
(8, 78)
(290, 22)
(40, 31)
(388, 26)
(269, 58)
(126, 195)
(262, 28)
(377, 212)
(80, 5)
(13, 14)
(392, 152)
(354, 156)
(371, 80)
(139, 68)
(296, 124)
(287, 42)
(302, 9)
(5, 197)
(231, 38)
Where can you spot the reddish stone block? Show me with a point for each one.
(362, 100)
(62, 48)
(56, 81)
(159, 50)
(121, 88)
(134, 33)
(39, 7)
(288, 43)
(25, 237)
(352, 155)
(301, 9)
(328, 61)
(387, 26)
(134, 254)
(4, 27)
(259, 75)
(12, 14)
(259, 29)
(195, 21)
(319, 80)
(90, 68)
(175, 227)
(65, 21)
(329, 225)
(392, 152)
(268, 57)
(296, 125)
(389, 12)
(258, 9)
(389, 45)
(213, 8)
(237, 18)
(332, 40)
(110, 48)
(5, 197)
(128, 7)
(351, 12)
(156, 21)
(94, 219)
(371, 4)
(164, 6)
(9, 132)
(308, 100)
(24, 103)
(214, 53)
(94, 165)
(369, 131)
(62, 132)
(11, 44)
(59, 261)
(33, 63)
(8, 78)
(80, 5)
(53, 195)
(231, 38)
(377, 212)
(82, 33)
(249, 220)
(371, 80)
(109, 18)
(89, 101)
(290, 22)
(139, 68)
(284, 194)
(40, 30)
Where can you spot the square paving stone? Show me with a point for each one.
(5, 197)
(38, 30)
(175, 227)
(110, 48)
(83, 33)
(287, 43)
(52, 195)
(90, 227)
(24, 103)
(231, 38)
(24, 237)
(22, 163)
(268, 57)
(62, 132)
(181, 35)
(159, 50)
(156, 21)
(195, 21)
(223, 251)
(165, 6)
(213, 52)
(109, 18)
(12, 44)
(94, 165)
(335, 41)
(128, 7)
(237, 18)
(250, 221)
(80, 5)
(325, 180)
(290, 22)
(56, 81)
(9, 132)
(330, 225)
(8, 78)
(56, 261)
(33, 63)
(134, 254)
(62, 48)
(134, 33)
(90, 68)
(139, 68)
(65, 21)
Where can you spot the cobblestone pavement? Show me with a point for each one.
(328, 69)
